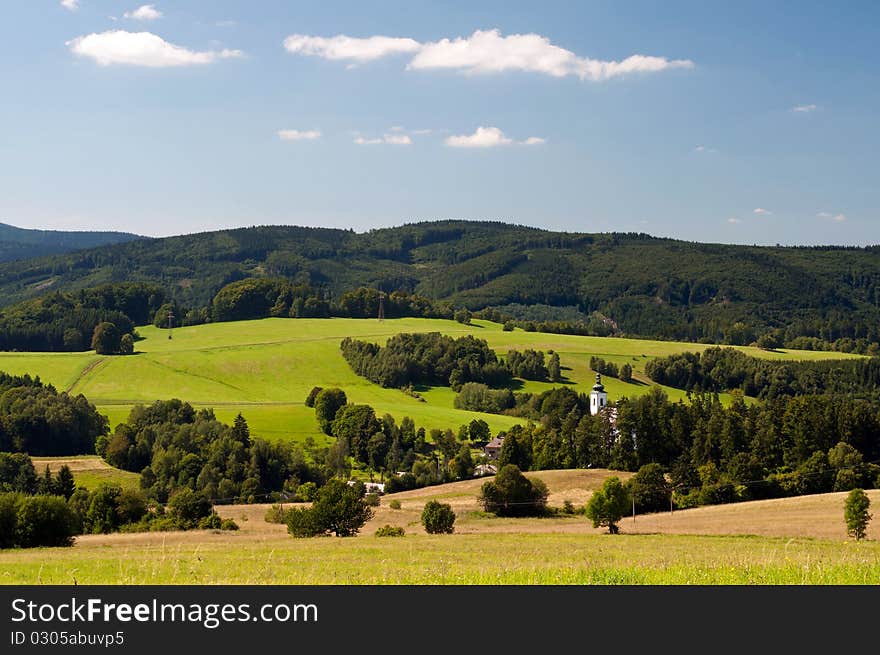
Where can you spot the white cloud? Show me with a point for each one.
(299, 135)
(484, 51)
(840, 218)
(144, 12)
(70, 5)
(733, 221)
(118, 47)
(349, 48)
(804, 109)
(762, 212)
(393, 138)
(490, 52)
(702, 148)
(488, 137)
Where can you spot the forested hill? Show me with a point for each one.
(648, 286)
(18, 243)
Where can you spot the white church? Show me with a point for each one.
(598, 397)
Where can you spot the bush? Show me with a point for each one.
(394, 504)
(511, 493)
(372, 499)
(276, 514)
(188, 508)
(43, 521)
(438, 518)
(303, 522)
(390, 531)
(228, 524)
(210, 522)
(307, 492)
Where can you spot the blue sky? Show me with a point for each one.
(746, 122)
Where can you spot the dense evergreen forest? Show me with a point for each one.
(18, 243)
(67, 321)
(627, 284)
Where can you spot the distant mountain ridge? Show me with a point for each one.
(648, 286)
(18, 243)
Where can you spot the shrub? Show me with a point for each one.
(390, 531)
(43, 521)
(188, 508)
(276, 514)
(438, 518)
(372, 499)
(228, 524)
(210, 522)
(306, 492)
(394, 504)
(511, 493)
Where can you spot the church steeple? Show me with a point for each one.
(598, 397)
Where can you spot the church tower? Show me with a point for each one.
(598, 397)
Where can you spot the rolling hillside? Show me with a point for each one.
(647, 286)
(265, 369)
(18, 243)
(786, 541)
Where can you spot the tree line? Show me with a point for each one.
(35, 418)
(789, 445)
(425, 359)
(724, 369)
(66, 321)
(823, 298)
(404, 455)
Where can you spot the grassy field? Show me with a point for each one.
(787, 541)
(88, 471)
(264, 369)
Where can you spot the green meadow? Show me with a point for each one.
(517, 558)
(264, 369)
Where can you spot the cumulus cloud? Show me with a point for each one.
(144, 12)
(299, 135)
(490, 52)
(118, 47)
(762, 212)
(393, 138)
(484, 51)
(804, 109)
(488, 137)
(70, 5)
(349, 48)
(733, 221)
